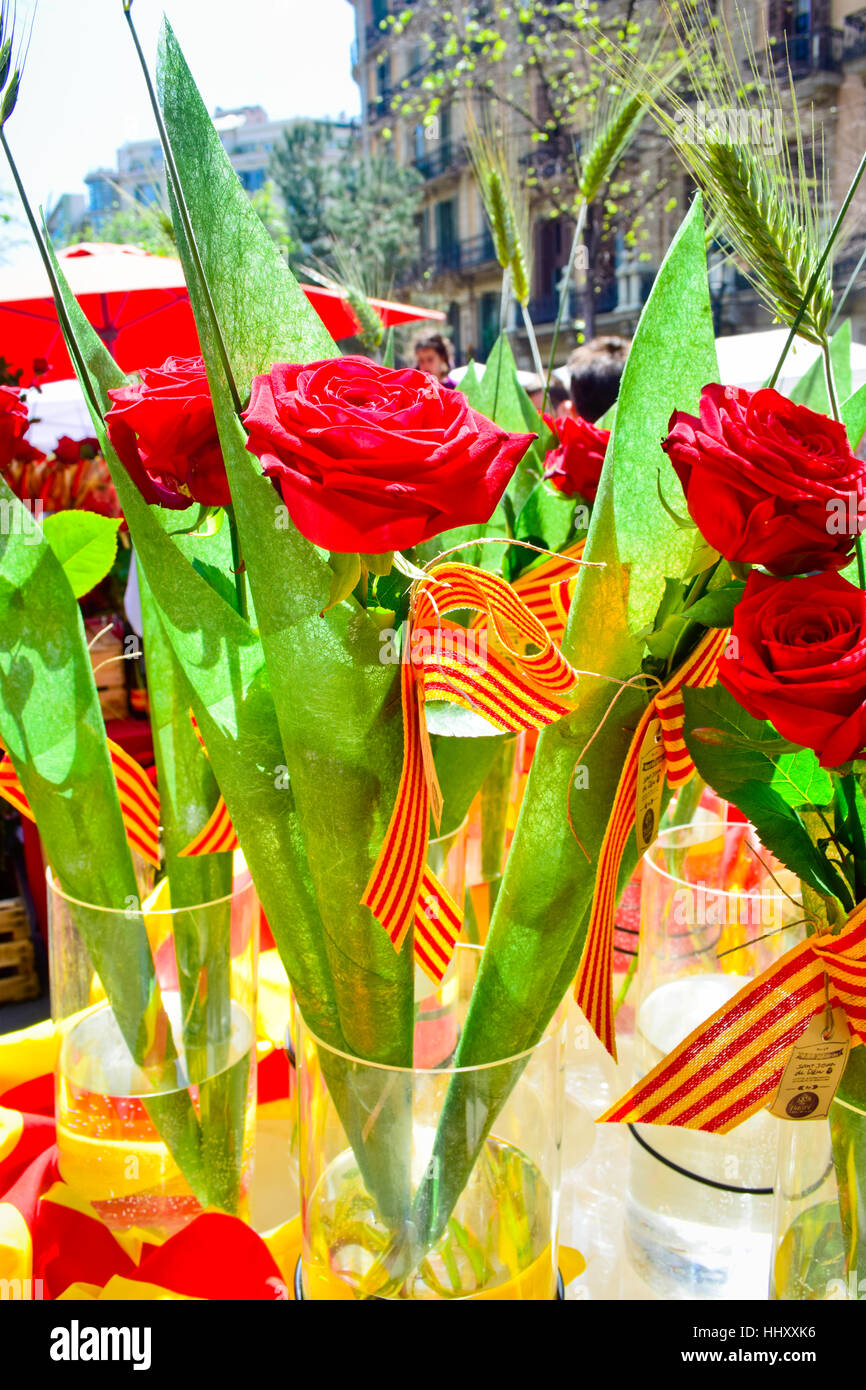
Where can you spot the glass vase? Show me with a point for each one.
(498, 1240)
(716, 910)
(156, 1124)
(819, 1238)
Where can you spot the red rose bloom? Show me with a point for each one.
(165, 435)
(369, 459)
(765, 480)
(575, 467)
(68, 450)
(798, 658)
(13, 423)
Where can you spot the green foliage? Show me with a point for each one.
(353, 216)
(739, 757)
(85, 543)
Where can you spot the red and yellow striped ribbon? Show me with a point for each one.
(217, 837)
(593, 987)
(139, 802)
(437, 925)
(547, 590)
(730, 1067)
(514, 690)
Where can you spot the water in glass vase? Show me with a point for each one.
(686, 1237)
(109, 1151)
(496, 1245)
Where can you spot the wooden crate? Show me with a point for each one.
(109, 675)
(18, 978)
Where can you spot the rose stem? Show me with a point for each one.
(816, 273)
(563, 298)
(180, 201)
(834, 410)
(855, 830)
(237, 564)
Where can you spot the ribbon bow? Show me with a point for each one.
(594, 986)
(730, 1067)
(514, 689)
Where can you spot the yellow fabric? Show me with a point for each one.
(284, 1243)
(27, 1054)
(571, 1263)
(122, 1290)
(16, 1250)
(11, 1127)
(274, 999)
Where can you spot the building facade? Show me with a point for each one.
(248, 136)
(825, 41)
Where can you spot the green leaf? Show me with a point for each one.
(347, 574)
(750, 754)
(673, 356)
(545, 519)
(768, 787)
(716, 609)
(505, 402)
(783, 832)
(853, 412)
(85, 543)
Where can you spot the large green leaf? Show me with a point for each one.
(538, 928)
(655, 383)
(85, 543)
(338, 713)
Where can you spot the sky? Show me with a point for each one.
(83, 95)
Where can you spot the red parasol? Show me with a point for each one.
(139, 305)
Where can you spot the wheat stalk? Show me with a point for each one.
(505, 202)
(618, 123)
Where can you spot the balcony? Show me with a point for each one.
(544, 309)
(456, 257)
(442, 157)
(373, 36)
(819, 51)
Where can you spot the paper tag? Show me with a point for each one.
(814, 1070)
(650, 785)
(434, 791)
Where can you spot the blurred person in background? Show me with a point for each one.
(596, 370)
(435, 354)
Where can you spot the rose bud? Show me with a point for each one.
(575, 467)
(13, 424)
(165, 435)
(370, 460)
(798, 658)
(765, 480)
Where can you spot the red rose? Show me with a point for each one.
(575, 467)
(798, 658)
(165, 434)
(68, 450)
(766, 480)
(369, 459)
(13, 423)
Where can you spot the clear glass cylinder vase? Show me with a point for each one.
(819, 1231)
(369, 1157)
(716, 910)
(156, 1113)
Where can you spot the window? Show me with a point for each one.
(252, 179)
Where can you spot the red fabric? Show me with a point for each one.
(35, 1097)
